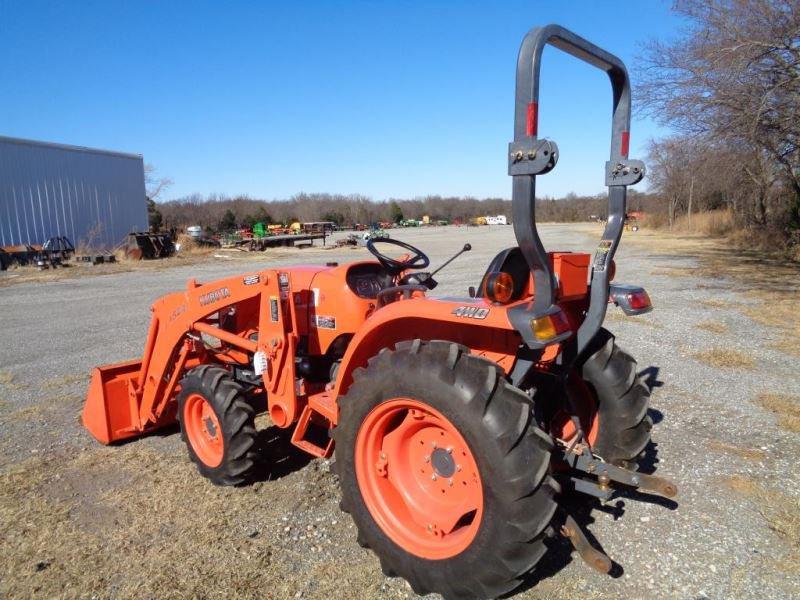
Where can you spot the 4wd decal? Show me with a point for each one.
(471, 312)
(251, 279)
(214, 296)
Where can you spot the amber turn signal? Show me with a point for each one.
(549, 326)
(498, 287)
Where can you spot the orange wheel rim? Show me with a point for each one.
(419, 479)
(203, 430)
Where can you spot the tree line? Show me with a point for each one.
(729, 87)
(224, 214)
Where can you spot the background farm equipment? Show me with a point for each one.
(148, 246)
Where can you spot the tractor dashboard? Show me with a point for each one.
(366, 280)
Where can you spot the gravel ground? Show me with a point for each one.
(81, 520)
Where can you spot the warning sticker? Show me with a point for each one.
(602, 254)
(273, 308)
(324, 322)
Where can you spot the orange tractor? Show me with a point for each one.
(457, 424)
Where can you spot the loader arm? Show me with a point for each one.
(128, 399)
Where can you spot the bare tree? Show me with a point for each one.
(733, 79)
(155, 186)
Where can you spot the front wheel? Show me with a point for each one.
(217, 425)
(444, 470)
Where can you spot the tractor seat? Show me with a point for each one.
(512, 262)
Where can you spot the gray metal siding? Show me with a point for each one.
(93, 197)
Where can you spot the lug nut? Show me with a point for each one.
(433, 477)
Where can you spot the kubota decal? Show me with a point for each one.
(471, 312)
(214, 296)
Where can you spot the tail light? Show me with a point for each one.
(633, 300)
(639, 300)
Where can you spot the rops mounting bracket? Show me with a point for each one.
(532, 157)
(628, 172)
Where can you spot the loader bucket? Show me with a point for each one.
(111, 410)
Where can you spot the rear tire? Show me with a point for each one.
(217, 425)
(470, 396)
(623, 427)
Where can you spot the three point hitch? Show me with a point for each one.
(581, 460)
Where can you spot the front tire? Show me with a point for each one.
(404, 492)
(217, 425)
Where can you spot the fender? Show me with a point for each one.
(474, 322)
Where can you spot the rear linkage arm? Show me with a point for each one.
(580, 458)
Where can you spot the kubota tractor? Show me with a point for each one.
(457, 424)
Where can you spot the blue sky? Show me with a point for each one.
(269, 99)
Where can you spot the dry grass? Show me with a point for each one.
(671, 272)
(787, 345)
(782, 512)
(10, 383)
(59, 382)
(785, 407)
(725, 358)
(617, 316)
(779, 311)
(718, 303)
(714, 327)
(132, 522)
(714, 223)
(753, 454)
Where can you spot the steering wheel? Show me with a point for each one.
(418, 259)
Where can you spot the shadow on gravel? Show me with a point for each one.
(650, 375)
(560, 552)
(278, 457)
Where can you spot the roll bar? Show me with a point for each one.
(530, 156)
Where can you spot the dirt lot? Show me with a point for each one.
(81, 520)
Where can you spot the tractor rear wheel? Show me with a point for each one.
(444, 470)
(622, 397)
(217, 425)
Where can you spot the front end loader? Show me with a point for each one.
(458, 425)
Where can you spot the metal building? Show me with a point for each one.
(94, 197)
